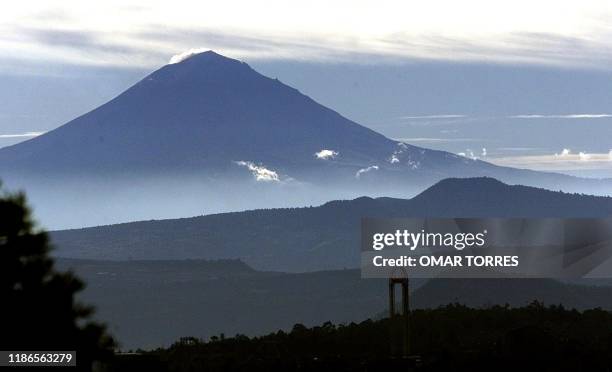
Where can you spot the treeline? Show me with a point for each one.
(452, 337)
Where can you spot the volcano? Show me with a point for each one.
(206, 111)
(214, 119)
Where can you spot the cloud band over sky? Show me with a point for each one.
(566, 160)
(146, 33)
(21, 135)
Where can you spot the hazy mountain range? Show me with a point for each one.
(314, 238)
(211, 134)
(163, 290)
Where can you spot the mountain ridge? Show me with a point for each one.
(313, 238)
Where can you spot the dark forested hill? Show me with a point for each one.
(449, 338)
(315, 238)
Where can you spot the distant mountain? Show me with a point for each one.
(194, 134)
(153, 303)
(315, 238)
(203, 113)
(208, 112)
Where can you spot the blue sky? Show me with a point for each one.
(514, 82)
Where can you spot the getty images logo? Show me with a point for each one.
(414, 240)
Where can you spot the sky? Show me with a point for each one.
(513, 82)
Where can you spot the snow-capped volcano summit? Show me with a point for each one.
(203, 111)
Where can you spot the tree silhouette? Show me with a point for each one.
(38, 310)
(448, 338)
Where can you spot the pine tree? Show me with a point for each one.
(38, 310)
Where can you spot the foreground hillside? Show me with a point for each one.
(151, 303)
(316, 238)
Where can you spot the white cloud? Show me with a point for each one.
(565, 161)
(583, 156)
(468, 153)
(401, 154)
(567, 116)
(520, 148)
(20, 135)
(439, 116)
(365, 170)
(564, 153)
(394, 158)
(139, 33)
(326, 154)
(436, 140)
(260, 172)
(178, 58)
